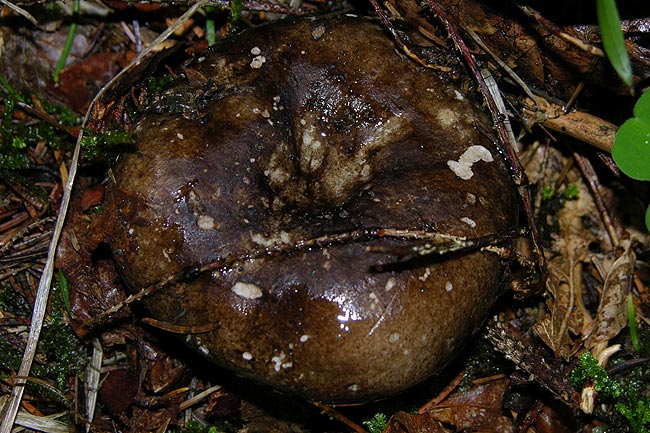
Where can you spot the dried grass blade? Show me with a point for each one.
(93, 371)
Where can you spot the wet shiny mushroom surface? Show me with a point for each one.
(287, 175)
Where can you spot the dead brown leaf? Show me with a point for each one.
(611, 317)
(477, 409)
(403, 422)
(566, 311)
(92, 196)
(119, 388)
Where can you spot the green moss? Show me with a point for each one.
(196, 427)
(10, 358)
(587, 370)
(18, 136)
(483, 361)
(626, 394)
(11, 301)
(635, 379)
(547, 192)
(571, 192)
(60, 355)
(552, 201)
(638, 416)
(377, 423)
(106, 145)
(158, 84)
(65, 116)
(643, 335)
(12, 154)
(61, 346)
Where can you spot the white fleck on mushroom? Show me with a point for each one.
(247, 290)
(205, 222)
(247, 356)
(426, 274)
(447, 117)
(463, 167)
(318, 32)
(278, 362)
(470, 222)
(257, 62)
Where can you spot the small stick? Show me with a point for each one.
(581, 85)
(21, 11)
(435, 243)
(443, 394)
(531, 417)
(93, 372)
(198, 397)
(400, 42)
(180, 329)
(17, 220)
(592, 179)
(329, 410)
(501, 63)
(577, 124)
(72, 131)
(556, 30)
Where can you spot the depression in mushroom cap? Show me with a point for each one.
(310, 156)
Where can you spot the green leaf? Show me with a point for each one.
(613, 40)
(642, 107)
(631, 150)
(647, 218)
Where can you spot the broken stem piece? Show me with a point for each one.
(577, 124)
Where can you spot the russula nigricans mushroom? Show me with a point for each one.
(293, 197)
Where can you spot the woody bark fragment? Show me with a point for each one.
(577, 124)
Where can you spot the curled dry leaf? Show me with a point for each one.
(118, 389)
(477, 409)
(566, 312)
(403, 422)
(611, 317)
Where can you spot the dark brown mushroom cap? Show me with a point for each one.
(305, 129)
